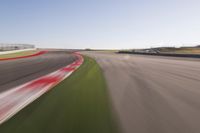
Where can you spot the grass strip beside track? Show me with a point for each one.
(18, 54)
(79, 104)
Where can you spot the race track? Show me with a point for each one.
(19, 71)
(153, 94)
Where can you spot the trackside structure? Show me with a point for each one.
(9, 47)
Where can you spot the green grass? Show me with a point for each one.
(79, 104)
(18, 54)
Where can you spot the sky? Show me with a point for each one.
(102, 24)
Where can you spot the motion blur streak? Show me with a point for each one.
(153, 94)
(17, 98)
(17, 72)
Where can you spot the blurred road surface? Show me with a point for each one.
(19, 71)
(153, 94)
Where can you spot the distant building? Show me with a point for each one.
(8, 47)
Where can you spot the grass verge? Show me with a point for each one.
(79, 104)
(18, 54)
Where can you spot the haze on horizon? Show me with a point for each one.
(100, 23)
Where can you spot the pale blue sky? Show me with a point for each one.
(100, 23)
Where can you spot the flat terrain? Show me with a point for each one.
(153, 94)
(18, 54)
(19, 71)
(180, 50)
(79, 104)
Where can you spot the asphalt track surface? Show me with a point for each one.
(19, 71)
(153, 94)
